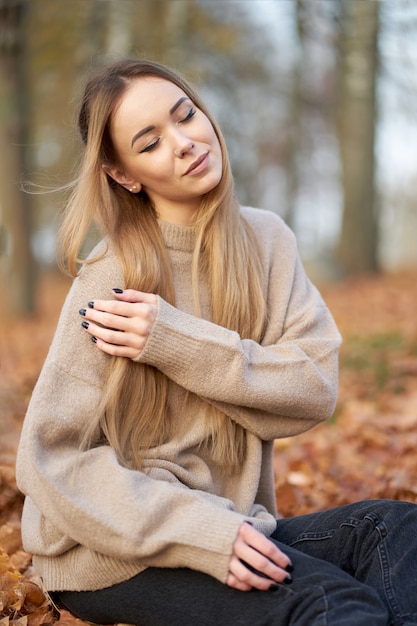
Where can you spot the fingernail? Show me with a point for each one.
(287, 580)
(82, 311)
(94, 339)
(273, 587)
(91, 305)
(85, 324)
(117, 290)
(290, 567)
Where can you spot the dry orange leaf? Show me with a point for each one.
(22, 602)
(369, 450)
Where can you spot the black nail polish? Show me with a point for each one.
(273, 587)
(290, 567)
(117, 290)
(85, 324)
(91, 305)
(82, 311)
(287, 580)
(94, 339)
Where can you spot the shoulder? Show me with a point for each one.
(101, 272)
(71, 350)
(98, 276)
(266, 222)
(272, 232)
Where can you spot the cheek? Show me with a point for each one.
(209, 132)
(216, 144)
(156, 170)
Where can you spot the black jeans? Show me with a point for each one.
(355, 565)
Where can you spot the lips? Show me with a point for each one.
(198, 165)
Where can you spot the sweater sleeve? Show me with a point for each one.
(87, 497)
(278, 388)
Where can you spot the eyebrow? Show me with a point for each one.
(140, 133)
(177, 104)
(149, 128)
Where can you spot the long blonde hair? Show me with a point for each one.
(133, 411)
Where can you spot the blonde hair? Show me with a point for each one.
(226, 250)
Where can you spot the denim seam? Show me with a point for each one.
(383, 556)
(329, 533)
(386, 575)
(313, 536)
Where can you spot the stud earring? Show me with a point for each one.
(132, 189)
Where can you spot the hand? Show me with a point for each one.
(121, 327)
(265, 563)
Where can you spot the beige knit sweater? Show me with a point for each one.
(88, 521)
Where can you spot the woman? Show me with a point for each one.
(146, 453)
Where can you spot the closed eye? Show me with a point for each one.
(189, 115)
(155, 143)
(149, 147)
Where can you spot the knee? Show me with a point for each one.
(395, 515)
(381, 508)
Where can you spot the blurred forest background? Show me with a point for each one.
(316, 99)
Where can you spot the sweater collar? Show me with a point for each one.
(178, 237)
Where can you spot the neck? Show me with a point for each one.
(181, 215)
(177, 236)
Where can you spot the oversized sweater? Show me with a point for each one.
(90, 522)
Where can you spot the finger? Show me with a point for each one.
(110, 321)
(113, 307)
(114, 350)
(131, 295)
(234, 582)
(113, 337)
(263, 558)
(263, 545)
(134, 318)
(247, 578)
(261, 573)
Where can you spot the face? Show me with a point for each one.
(166, 146)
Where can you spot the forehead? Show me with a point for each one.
(145, 99)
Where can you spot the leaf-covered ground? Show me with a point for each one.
(367, 450)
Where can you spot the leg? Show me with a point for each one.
(320, 595)
(374, 541)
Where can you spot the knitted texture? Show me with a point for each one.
(90, 522)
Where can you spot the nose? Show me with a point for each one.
(181, 151)
(183, 145)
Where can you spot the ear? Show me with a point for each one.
(120, 177)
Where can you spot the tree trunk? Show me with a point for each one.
(119, 29)
(17, 263)
(294, 130)
(357, 251)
